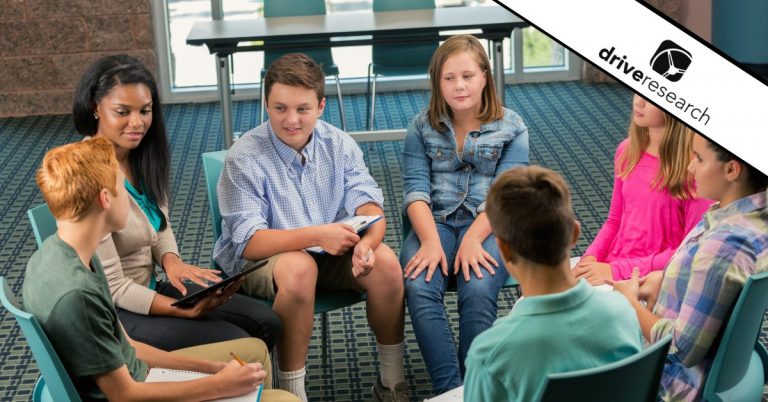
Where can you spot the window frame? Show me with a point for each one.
(513, 74)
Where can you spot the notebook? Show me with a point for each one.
(454, 395)
(358, 222)
(169, 375)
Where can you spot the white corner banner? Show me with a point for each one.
(665, 65)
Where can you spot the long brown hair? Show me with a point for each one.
(675, 153)
(490, 107)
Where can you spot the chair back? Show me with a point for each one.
(43, 223)
(395, 5)
(403, 59)
(54, 379)
(293, 8)
(604, 383)
(297, 8)
(213, 162)
(738, 372)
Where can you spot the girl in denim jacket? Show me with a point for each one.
(453, 151)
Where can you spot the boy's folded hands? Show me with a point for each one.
(363, 260)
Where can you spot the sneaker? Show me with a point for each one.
(384, 394)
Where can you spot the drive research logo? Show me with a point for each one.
(670, 68)
(671, 60)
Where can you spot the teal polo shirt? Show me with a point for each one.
(572, 330)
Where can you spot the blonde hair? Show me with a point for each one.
(490, 105)
(675, 153)
(71, 176)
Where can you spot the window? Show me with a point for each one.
(191, 69)
(539, 51)
(190, 66)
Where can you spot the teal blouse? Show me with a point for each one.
(150, 208)
(153, 213)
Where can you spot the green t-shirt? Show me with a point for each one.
(74, 306)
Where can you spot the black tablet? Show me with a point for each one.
(191, 299)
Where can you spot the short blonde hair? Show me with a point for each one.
(72, 175)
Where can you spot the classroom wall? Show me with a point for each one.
(45, 45)
(696, 15)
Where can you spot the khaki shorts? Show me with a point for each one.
(251, 350)
(334, 273)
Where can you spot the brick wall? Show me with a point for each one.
(45, 45)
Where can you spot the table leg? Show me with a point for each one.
(225, 98)
(498, 67)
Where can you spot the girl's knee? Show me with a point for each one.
(486, 288)
(420, 288)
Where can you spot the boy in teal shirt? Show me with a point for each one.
(562, 324)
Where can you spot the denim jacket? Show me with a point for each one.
(433, 172)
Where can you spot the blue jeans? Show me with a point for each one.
(477, 303)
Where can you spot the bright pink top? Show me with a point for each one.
(644, 226)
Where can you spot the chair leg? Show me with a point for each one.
(341, 105)
(262, 101)
(368, 98)
(40, 392)
(324, 340)
(373, 102)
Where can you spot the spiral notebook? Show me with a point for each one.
(169, 375)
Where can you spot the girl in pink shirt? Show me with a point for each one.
(654, 202)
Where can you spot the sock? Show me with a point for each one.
(391, 364)
(293, 382)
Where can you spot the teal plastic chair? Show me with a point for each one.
(54, 383)
(326, 301)
(322, 56)
(636, 378)
(399, 59)
(739, 370)
(511, 282)
(43, 223)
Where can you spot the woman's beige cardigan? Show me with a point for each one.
(129, 257)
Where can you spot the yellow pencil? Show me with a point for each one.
(239, 360)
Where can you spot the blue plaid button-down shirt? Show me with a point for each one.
(264, 184)
(700, 286)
